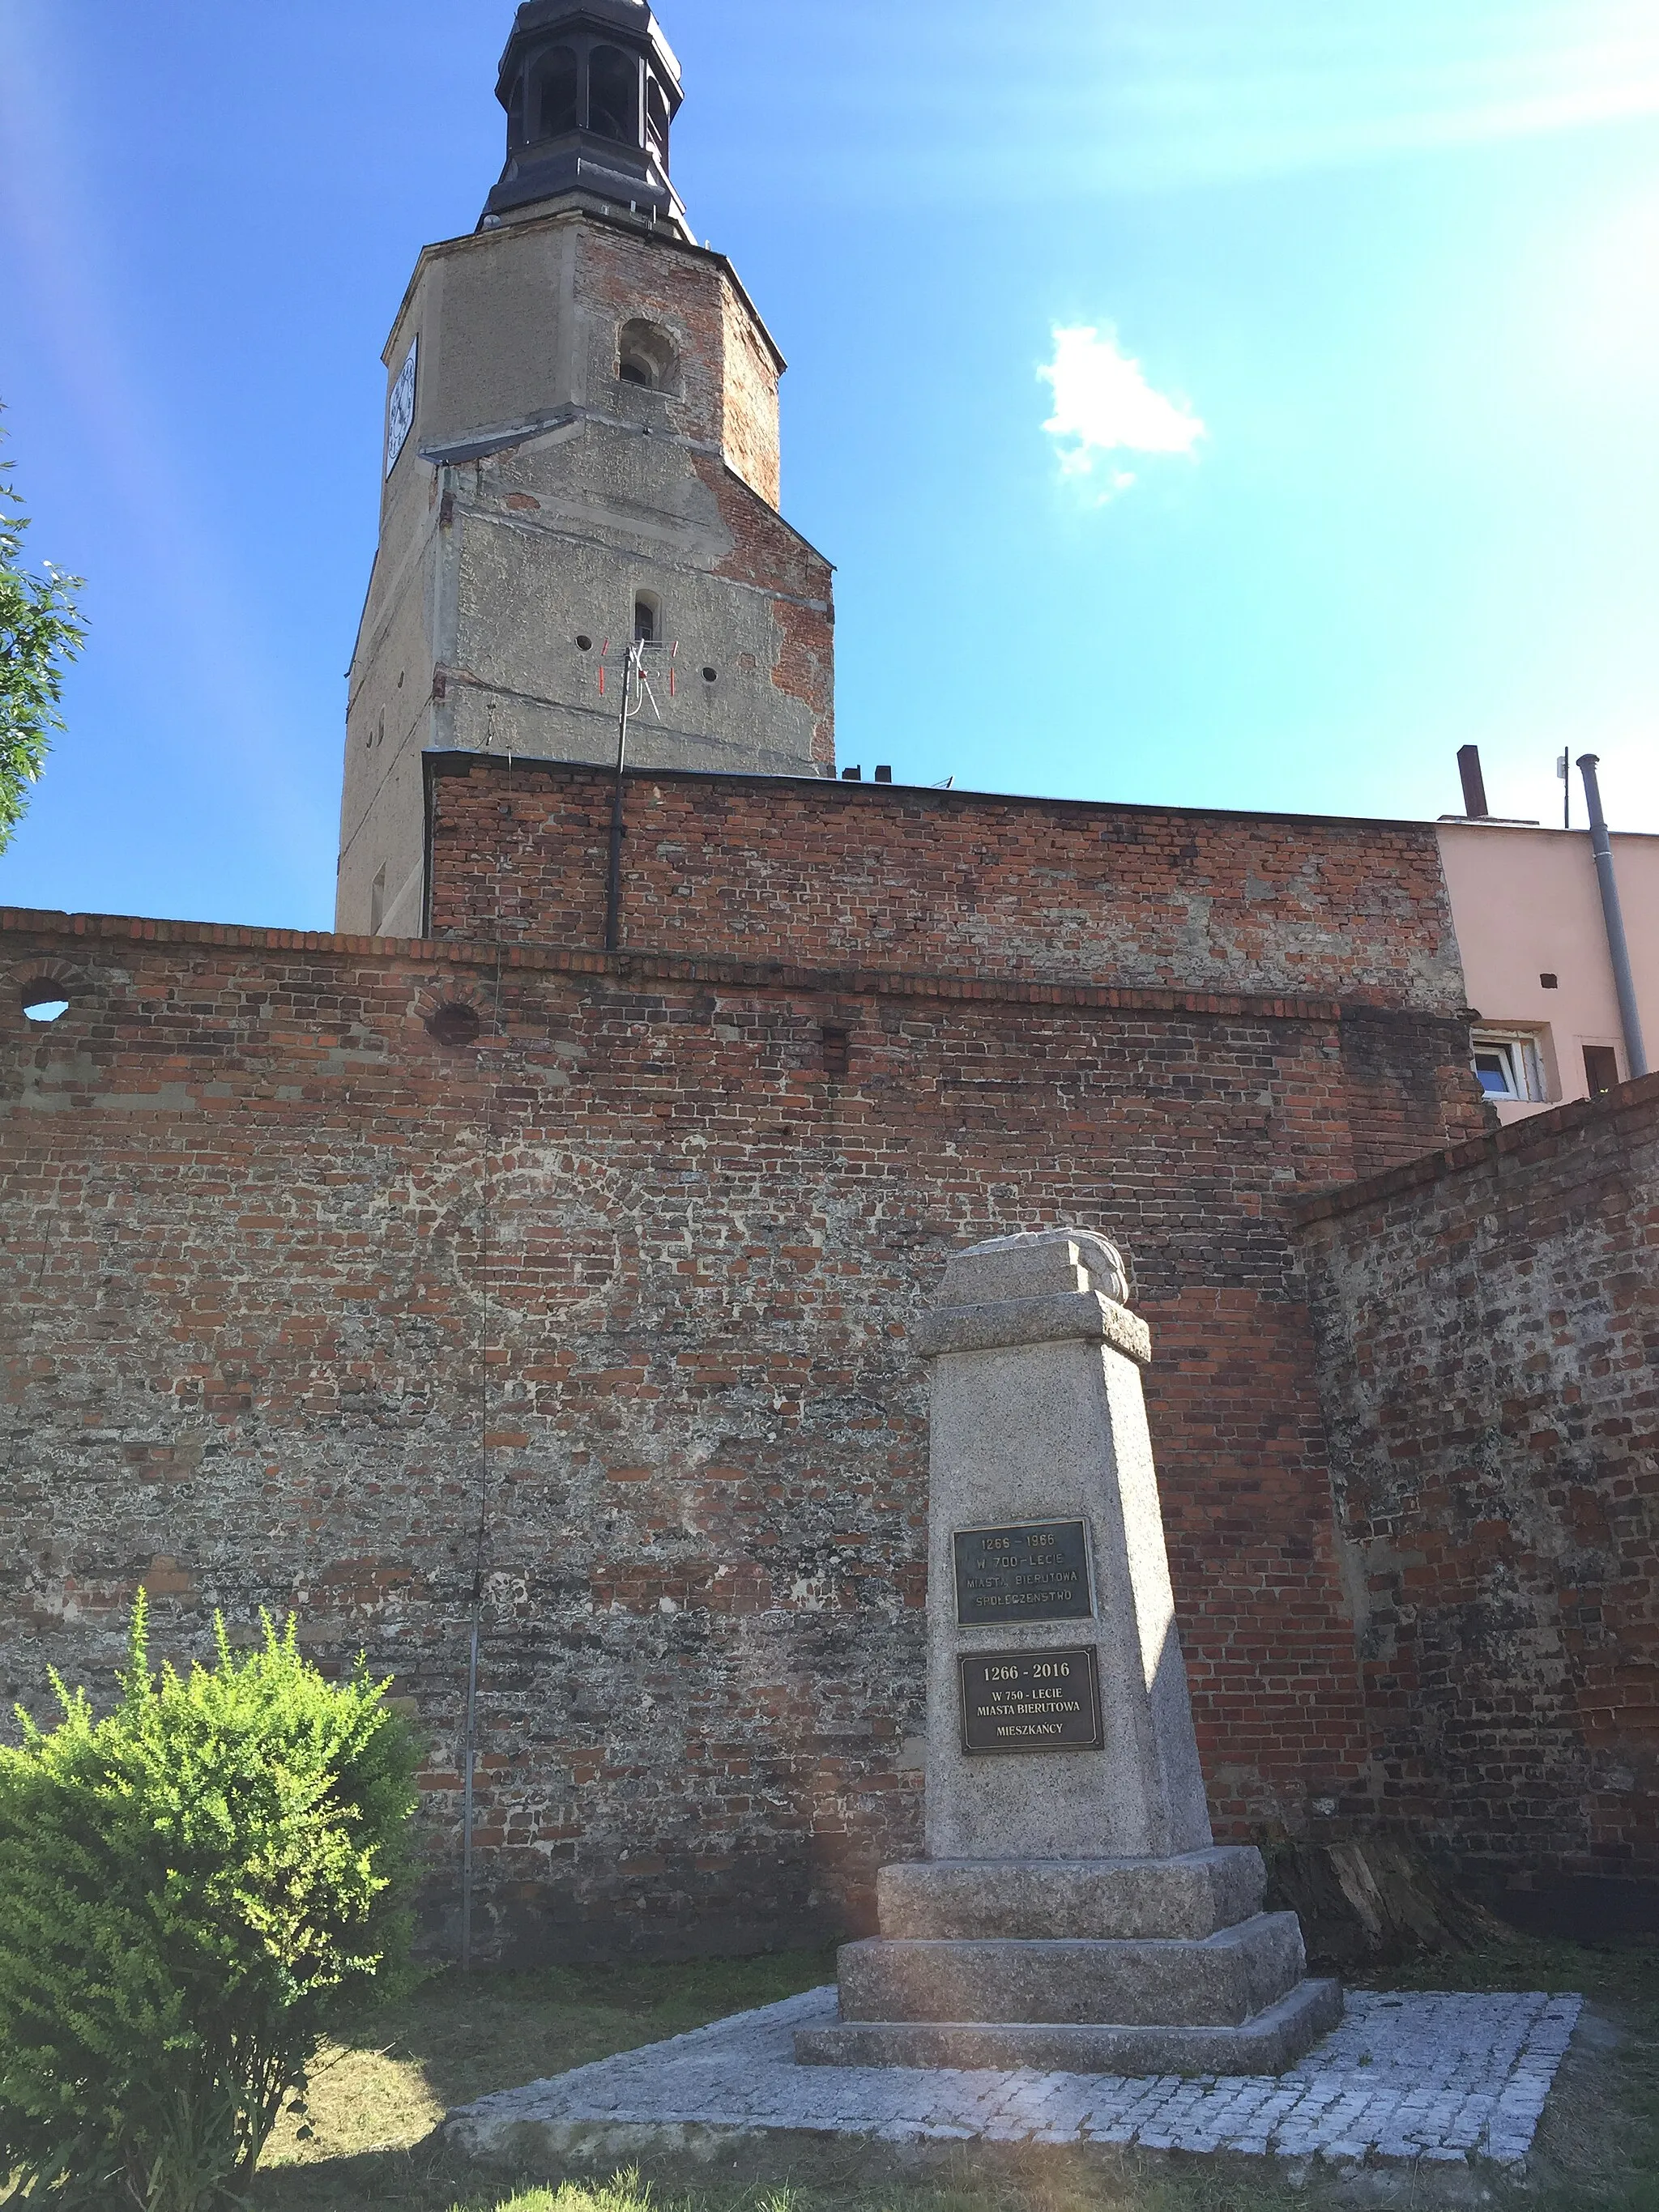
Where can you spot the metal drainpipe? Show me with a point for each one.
(1635, 1054)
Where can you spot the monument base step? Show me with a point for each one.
(1270, 2043)
(1186, 1898)
(1222, 1981)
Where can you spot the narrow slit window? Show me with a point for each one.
(647, 620)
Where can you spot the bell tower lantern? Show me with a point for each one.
(581, 451)
(590, 89)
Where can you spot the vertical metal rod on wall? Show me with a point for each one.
(613, 880)
(469, 1755)
(466, 1787)
(1636, 1051)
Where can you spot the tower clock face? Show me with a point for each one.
(400, 416)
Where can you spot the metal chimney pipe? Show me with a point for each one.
(1474, 784)
(1636, 1053)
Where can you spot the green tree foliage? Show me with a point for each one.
(192, 1891)
(40, 632)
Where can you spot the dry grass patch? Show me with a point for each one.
(375, 2100)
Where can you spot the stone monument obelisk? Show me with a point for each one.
(1073, 1912)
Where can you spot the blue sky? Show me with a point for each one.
(1399, 260)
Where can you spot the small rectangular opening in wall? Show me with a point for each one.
(377, 902)
(837, 1049)
(1601, 1068)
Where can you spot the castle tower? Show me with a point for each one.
(582, 447)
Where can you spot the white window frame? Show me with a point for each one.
(1522, 1058)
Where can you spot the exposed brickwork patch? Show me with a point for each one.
(287, 1279)
(1488, 1321)
(746, 868)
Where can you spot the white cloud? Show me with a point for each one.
(1105, 407)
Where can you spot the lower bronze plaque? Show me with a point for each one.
(1024, 1701)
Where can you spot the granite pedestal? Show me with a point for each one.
(1073, 1912)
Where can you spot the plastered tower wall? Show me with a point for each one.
(540, 496)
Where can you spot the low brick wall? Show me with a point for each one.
(1488, 1331)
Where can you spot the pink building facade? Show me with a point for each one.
(1528, 914)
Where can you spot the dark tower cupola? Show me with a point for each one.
(590, 89)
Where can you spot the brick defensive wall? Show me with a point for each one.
(1488, 1324)
(611, 1303)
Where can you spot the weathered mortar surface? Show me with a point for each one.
(1488, 1324)
(555, 525)
(261, 1228)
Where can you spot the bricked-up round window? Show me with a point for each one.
(456, 1025)
(44, 1002)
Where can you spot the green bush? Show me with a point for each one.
(192, 1891)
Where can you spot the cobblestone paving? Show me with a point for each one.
(1437, 2078)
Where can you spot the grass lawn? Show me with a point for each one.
(376, 2102)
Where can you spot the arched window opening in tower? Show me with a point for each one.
(560, 107)
(645, 356)
(647, 619)
(613, 96)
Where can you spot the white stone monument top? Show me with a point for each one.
(1049, 1286)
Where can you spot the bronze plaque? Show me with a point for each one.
(1039, 1571)
(1026, 1701)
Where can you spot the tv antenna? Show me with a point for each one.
(636, 691)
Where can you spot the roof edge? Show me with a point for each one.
(877, 793)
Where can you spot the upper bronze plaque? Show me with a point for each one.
(1036, 1572)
